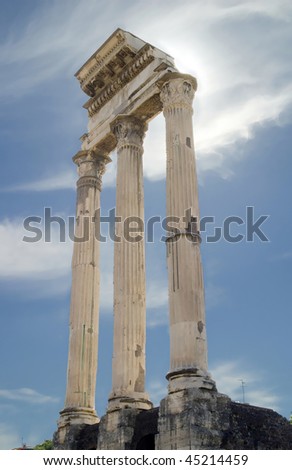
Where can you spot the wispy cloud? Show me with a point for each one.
(238, 51)
(9, 437)
(47, 265)
(157, 390)
(45, 47)
(283, 256)
(27, 395)
(39, 260)
(156, 289)
(157, 316)
(64, 180)
(228, 377)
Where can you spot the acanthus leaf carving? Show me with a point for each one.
(129, 130)
(177, 92)
(91, 164)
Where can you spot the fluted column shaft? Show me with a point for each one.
(128, 365)
(188, 347)
(84, 309)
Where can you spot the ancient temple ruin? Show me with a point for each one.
(129, 82)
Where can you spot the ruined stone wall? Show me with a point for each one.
(248, 428)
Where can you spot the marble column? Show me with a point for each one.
(188, 346)
(128, 365)
(84, 310)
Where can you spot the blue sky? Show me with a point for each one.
(240, 52)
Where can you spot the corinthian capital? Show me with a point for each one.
(90, 163)
(177, 90)
(129, 131)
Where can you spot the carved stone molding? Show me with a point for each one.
(129, 131)
(86, 78)
(130, 71)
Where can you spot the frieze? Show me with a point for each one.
(100, 61)
(145, 57)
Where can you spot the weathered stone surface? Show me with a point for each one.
(214, 423)
(87, 437)
(121, 78)
(129, 362)
(84, 309)
(192, 419)
(188, 342)
(117, 428)
(76, 434)
(129, 82)
(252, 427)
(196, 420)
(145, 430)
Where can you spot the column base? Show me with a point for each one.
(70, 422)
(193, 419)
(183, 379)
(137, 401)
(117, 429)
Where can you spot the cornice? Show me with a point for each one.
(140, 62)
(99, 59)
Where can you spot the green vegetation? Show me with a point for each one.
(46, 445)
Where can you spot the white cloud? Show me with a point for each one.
(44, 268)
(154, 158)
(109, 178)
(9, 437)
(228, 377)
(32, 288)
(157, 390)
(238, 50)
(157, 301)
(106, 291)
(46, 46)
(156, 288)
(238, 122)
(287, 255)
(40, 260)
(27, 395)
(157, 292)
(64, 180)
